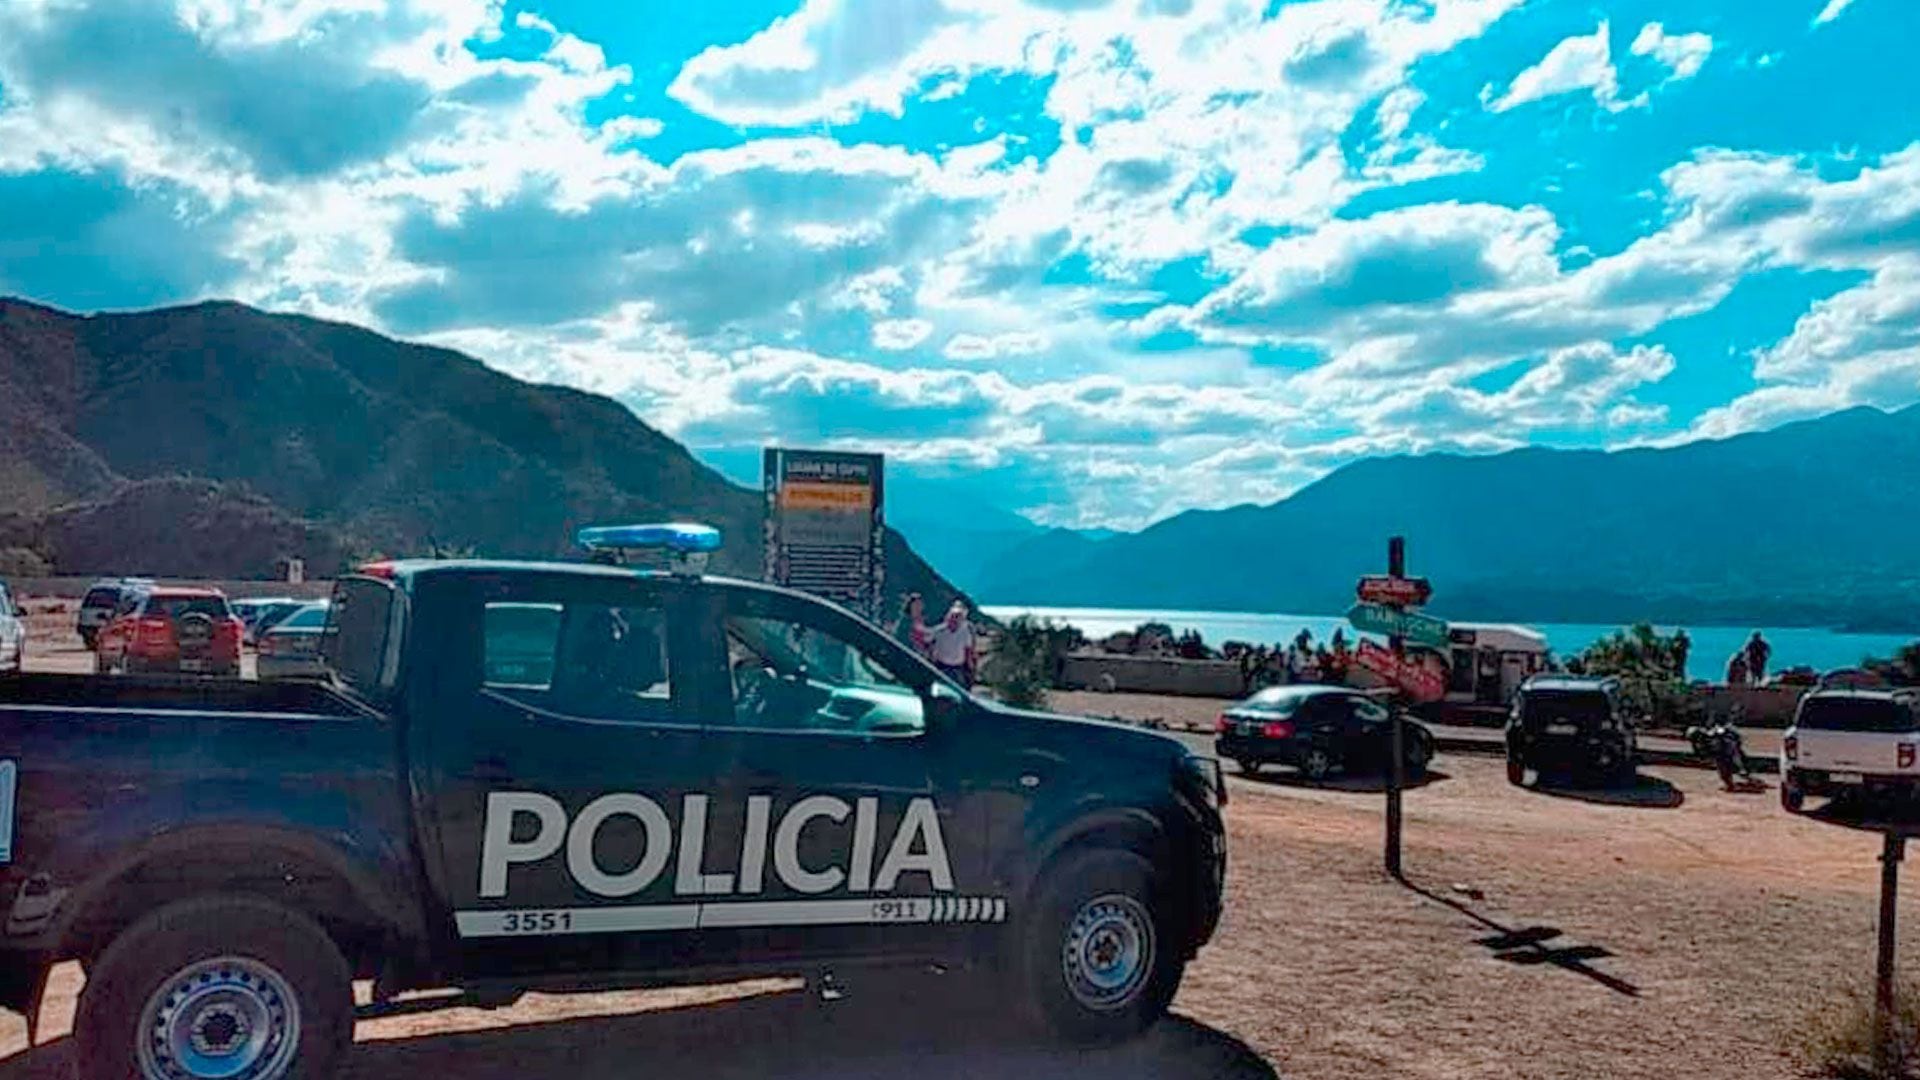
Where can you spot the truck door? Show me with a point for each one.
(563, 760)
(850, 812)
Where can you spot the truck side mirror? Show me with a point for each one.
(944, 707)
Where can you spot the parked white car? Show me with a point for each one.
(1851, 741)
(13, 634)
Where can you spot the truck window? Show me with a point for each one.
(588, 660)
(792, 676)
(522, 642)
(1856, 714)
(179, 607)
(360, 622)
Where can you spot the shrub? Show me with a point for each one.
(1020, 668)
(1838, 1041)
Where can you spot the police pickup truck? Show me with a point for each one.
(565, 776)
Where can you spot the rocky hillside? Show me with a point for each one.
(216, 438)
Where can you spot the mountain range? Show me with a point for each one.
(1811, 523)
(216, 439)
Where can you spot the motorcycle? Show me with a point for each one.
(1719, 741)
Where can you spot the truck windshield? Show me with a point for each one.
(1856, 714)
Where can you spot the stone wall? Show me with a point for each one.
(1766, 706)
(1152, 675)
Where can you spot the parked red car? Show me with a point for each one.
(171, 630)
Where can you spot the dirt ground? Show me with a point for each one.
(1673, 930)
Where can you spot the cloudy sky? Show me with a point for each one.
(1095, 260)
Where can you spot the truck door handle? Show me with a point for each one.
(493, 770)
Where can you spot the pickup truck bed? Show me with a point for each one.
(77, 695)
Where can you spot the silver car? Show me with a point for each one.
(290, 649)
(13, 634)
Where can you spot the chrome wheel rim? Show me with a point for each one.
(230, 1018)
(1318, 764)
(1108, 952)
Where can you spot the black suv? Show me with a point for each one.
(1570, 724)
(1317, 729)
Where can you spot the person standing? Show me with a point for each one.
(952, 645)
(1758, 652)
(1737, 668)
(911, 630)
(1682, 645)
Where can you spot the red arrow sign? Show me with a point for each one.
(1397, 591)
(1421, 681)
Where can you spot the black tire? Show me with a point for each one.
(1610, 764)
(90, 639)
(1248, 766)
(100, 665)
(1057, 939)
(1419, 753)
(1516, 771)
(1316, 764)
(1793, 798)
(125, 985)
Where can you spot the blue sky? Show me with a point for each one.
(1095, 261)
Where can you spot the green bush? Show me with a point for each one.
(1020, 668)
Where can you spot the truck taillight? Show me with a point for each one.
(1223, 725)
(1278, 730)
(1904, 755)
(227, 634)
(1790, 746)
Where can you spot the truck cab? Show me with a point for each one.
(1851, 742)
(602, 777)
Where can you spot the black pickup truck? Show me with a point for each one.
(566, 776)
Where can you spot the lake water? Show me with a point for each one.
(1821, 649)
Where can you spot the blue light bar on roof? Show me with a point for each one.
(688, 546)
(679, 538)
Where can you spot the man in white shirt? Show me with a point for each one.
(951, 645)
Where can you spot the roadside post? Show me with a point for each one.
(1893, 831)
(1893, 849)
(1385, 603)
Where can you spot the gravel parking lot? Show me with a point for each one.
(1669, 930)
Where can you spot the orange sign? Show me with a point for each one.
(801, 495)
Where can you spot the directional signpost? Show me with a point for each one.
(1395, 591)
(1384, 608)
(1398, 622)
(1421, 683)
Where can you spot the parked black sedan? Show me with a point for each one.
(1317, 729)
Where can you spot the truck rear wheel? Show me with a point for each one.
(1096, 964)
(1793, 798)
(219, 987)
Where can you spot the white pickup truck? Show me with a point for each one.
(1851, 741)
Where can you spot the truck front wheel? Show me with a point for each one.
(216, 987)
(1096, 964)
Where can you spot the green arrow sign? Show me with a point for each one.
(1415, 627)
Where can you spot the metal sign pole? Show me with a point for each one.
(1894, 848)
(1396, 772)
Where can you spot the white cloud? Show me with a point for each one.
(1833, 10)
(1682, 54)
(1575, 64)
(899, 335)
(974, 347)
